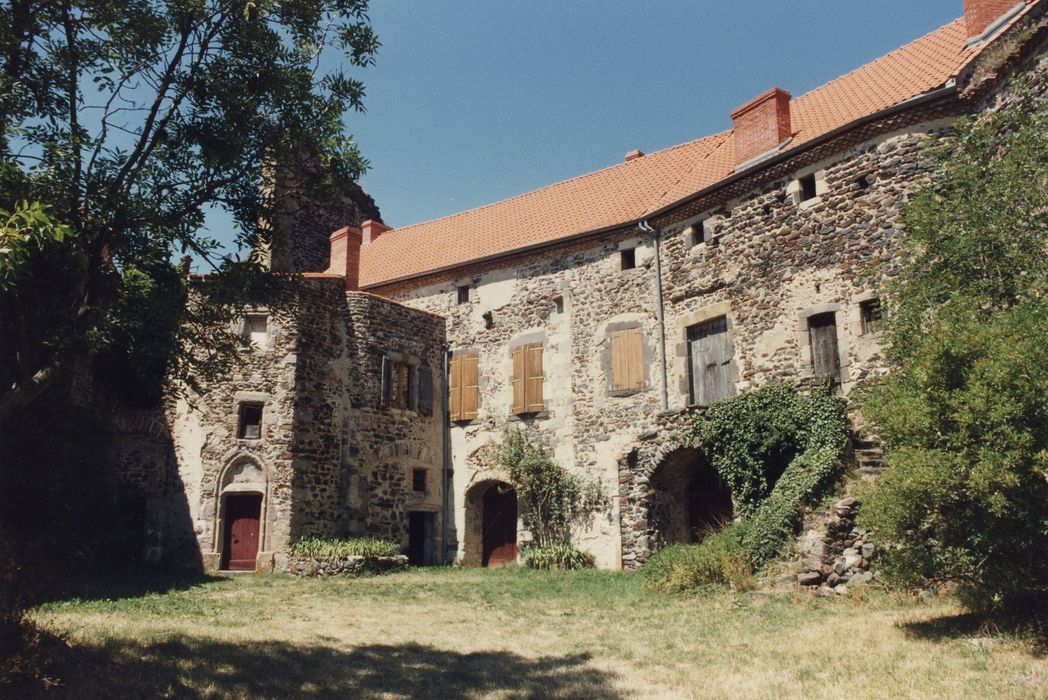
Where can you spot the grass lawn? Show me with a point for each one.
(510, 633)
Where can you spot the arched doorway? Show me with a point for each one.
(490, 537)
(688, 500)
(241, 532)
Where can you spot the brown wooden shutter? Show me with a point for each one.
(635, 358)
(825, 357)
(386, 397)
(425, 391)
(455, 388)
(519, 376)
(619, 361)
(534, 379)
(470, 393)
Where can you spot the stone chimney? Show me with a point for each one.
(345, 256)
(761, 125)
(373, 229)
(980, 15)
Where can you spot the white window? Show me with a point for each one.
(256, 330)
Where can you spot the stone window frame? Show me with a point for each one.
(482, 383)
(414, 363)
(240, 328)
(605, 357)
(242, 398)
(529, 338)
(710, 312)
(840, 312)
(857, 319)
(795, 190)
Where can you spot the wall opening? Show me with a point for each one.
(422, 549)
(241, 536)
(688, 500)
(490, 537)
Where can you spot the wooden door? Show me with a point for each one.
(421, 548)
(825, 356)
(500, 526)
(240, 545)
(710, 351)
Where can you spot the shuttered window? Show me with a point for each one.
(710, 352)
(464, 386)
(627, 360)
(397, 384)
(425, 391)
(527, 379)
(825, 355)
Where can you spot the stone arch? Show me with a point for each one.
(687, 499)
(243, 473)
(479, 496)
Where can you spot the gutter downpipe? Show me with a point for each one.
(445, 410)
(659, 308)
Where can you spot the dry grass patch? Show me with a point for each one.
(518, 633)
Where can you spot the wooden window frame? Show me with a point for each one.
(528, 379)
(464, 386)
(399, 384)
(871, 316)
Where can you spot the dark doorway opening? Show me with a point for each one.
(240, 539)
(500, 526)
(421, 543)
(688, 500)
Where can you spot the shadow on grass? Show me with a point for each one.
(196, 668)
(130, 583)
(1029, 623)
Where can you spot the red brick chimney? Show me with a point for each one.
(345, 256)
(980, 14)
(761, 125)
(634, 155)
(373, 229)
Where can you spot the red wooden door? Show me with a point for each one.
(500, 526)
(241, 535)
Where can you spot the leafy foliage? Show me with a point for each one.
(550, 499)
(562, 556)
(778, 450)
(27, 230)
(719, 560)
(963, 416)
(333, 548)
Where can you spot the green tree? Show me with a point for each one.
(125, 123)
(963, 414)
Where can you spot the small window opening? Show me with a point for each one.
(489, 320)
(863, 182)
(872, 317)
(250, 421)
(463, 294)
(767, 210)
(256, 330)
(808, 187)
(418, 480)
(558, 304)
(629, 258)
(818, 288)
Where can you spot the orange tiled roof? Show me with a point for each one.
(626, 192)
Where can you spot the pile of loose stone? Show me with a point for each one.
(842, 553)
(344, 566)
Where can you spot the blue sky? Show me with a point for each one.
(474, 101)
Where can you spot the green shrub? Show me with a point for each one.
(556, 555)
(719, 560)
(334, 548)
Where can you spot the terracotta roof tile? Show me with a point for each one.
(628, 191)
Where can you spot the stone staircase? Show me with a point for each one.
(869, 457)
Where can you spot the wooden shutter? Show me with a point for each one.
(519, 376)
(825, 358)
(534, 379)
(470, 382)
(711, 353)
(619, 361)
(386, 397)
(425, 391)
(455, 388)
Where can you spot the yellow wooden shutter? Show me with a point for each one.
(619, 369)
(534, 379)
(519, 375)
(470, 383)
(455, 388)
(635, 358)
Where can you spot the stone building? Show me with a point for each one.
(597, 312)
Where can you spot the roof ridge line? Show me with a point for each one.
(723, 144)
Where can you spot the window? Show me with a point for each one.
(255, 330)
(250, 424)
(710, 352)
(527, 379)
(870, 312)
(418, 480)
(627, 360)
(629, 258)
(397, 389)
(808, 190)
(463, 388)
(825, 359)
(463, 294)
